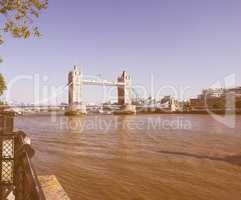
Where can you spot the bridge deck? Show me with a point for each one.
(103, 82)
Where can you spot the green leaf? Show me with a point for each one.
(26, 34)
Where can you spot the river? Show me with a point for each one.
(140, 157)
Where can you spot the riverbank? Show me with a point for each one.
(204, 112)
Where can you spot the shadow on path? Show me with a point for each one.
(234, 160)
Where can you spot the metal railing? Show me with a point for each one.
(18, 179)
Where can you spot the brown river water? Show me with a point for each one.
(141, 157)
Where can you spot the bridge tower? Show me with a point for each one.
(125, 94)
(75, 84)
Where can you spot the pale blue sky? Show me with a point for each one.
(185, 43)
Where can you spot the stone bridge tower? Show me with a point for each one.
(125, 94)
(125, 91)
(75, 84)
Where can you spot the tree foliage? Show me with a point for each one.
(18, 17)
(2, 85)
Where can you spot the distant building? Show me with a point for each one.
(236, 91)
(169, 103)
(214, 99)
(212, 93)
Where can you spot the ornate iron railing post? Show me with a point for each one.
(1, 151)
(17, 175)
(6, 154)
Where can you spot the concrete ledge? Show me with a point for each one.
(52, 188)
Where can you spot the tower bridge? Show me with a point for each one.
(76, 82)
